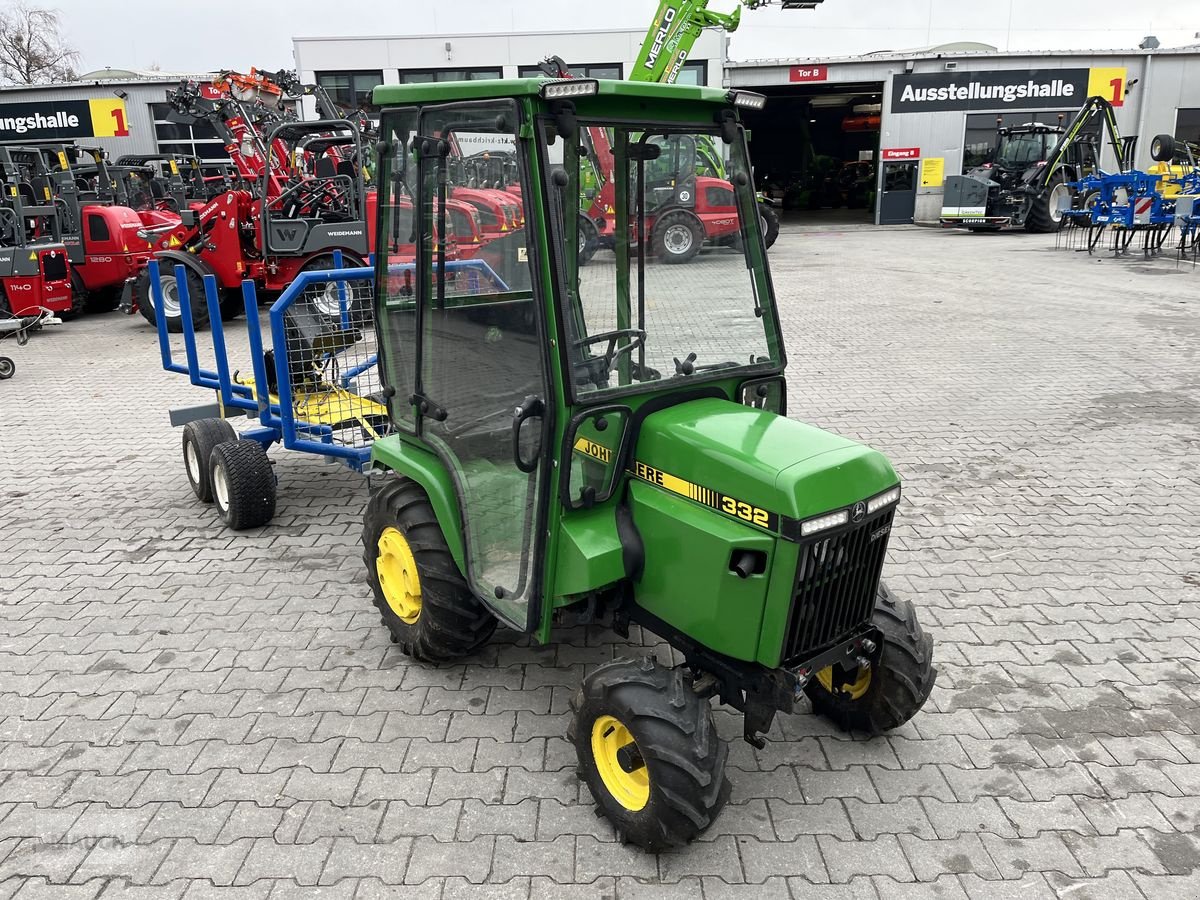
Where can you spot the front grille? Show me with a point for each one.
(835, 585)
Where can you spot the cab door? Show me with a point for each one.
(482, 392)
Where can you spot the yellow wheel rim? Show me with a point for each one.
(614, 751)
(397, 570)
(855, 689)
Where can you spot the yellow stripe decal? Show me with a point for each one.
(594, 450)
(723, 503)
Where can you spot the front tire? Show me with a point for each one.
(8, 368)
(678, 237)
(170, 290)
(200, 438)
(649, 752)
(768, 220)
(890, 693)
(243, 484)
(422, 598)
(1046, 212)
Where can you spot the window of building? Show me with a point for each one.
(428, 76)
(611, 71)
(351, 90)
(693, 72)
(1187, 125)
(197, 139)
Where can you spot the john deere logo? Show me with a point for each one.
(859, 512)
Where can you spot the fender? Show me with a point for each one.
(430, 473)
(169, 259)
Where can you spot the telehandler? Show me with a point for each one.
(610, 445)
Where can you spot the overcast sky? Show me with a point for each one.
(190, 37)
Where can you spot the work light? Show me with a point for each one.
(747, 99)
(569, 87)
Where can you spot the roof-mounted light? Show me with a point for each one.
(747, 99)
(569, 87)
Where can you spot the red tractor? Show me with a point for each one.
(35, 273)
(302, 196)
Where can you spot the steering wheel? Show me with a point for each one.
(598, 367)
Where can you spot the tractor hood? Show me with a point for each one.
(759, 458)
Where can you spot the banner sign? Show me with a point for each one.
(1018, 88)
(50, 120)
(896, 153)
(808, 73)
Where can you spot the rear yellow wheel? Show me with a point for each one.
(423, 600)
(398, 578)
(620, 764)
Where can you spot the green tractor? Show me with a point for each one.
(608, 444)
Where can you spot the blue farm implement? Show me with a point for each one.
(313, 383)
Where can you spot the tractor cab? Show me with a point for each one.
(608, 444)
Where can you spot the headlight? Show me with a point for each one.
(824, 523)
(879, 501)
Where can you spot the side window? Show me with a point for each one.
(97, 228)
(395, 263)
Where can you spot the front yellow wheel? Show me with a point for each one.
(855, 689)
(398, 578)
(620, 764)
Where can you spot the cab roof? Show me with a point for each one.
(447, 91)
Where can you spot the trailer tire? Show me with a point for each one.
(1089, 200)
(768, 220)
(243, 484)
(232, 304)
(671, 785)
(892, 691)
(195, 287)
(199, 439)
(8, 368)
(422, 598)
(678, 236)
(1162, 148)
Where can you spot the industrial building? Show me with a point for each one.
(867, 138)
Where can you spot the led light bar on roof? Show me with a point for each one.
(747, 99)
(569, 87)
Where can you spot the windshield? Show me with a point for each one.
(1021, 149)
(663, 268)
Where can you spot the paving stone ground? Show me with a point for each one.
(188, 712)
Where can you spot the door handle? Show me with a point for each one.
(531, 407)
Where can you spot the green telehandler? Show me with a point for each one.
(608, 445)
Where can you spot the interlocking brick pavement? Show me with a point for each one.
(188, 712)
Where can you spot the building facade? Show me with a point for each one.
(349, 67)
(934, 113)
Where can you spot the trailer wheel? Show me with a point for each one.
(422, 598)
(8, 368)
(243, 484)
(890, 693)
(199, 439)
(768, 221)
(1090, 199)
(232, 304)
(195, 287)
(678, 236)
(649, 752)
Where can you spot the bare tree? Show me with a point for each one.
(32, 48)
